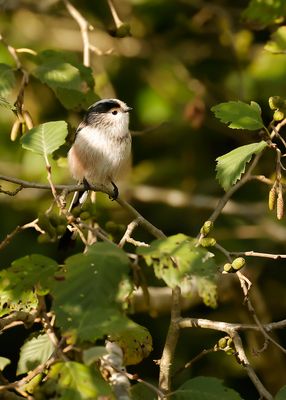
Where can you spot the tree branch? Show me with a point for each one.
(84, 27)
(171, 343)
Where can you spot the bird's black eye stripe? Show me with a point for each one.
(103, 106)
(114, 112)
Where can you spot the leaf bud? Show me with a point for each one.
(44, 222)
(222, 343)
(44, 238)
(238, 263)
(278, 115)
(227, 268)
(208, 242)
(76, 211)
(206, 228)
(84, 215)
(123, 31)
(276, 102)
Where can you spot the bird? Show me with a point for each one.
(101, 151)
(102, 146)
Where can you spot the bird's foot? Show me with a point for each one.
(115, 192)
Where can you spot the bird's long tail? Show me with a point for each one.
(66, 240)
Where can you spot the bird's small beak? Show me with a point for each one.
(127, 109)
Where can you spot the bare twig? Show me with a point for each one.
(193, 360)
(38, 370)
(18, 229)
(84, 28)
(127, 235)
(18, 316)
(250, 371)
(251, 309)
(116, 19)
(252, 253)
(170, 343)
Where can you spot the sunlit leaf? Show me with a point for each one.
(74, 381)
(239, 115)
(7, 79)
(4, 362)
(20, 284)
(205, 388)
(88, 301)
(177, 259)
(44, 139)
(265, 12)
(135, 341)
(71, 81)
(232, 165)
(35, 351)
(278, 41)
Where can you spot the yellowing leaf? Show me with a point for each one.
(177, 259)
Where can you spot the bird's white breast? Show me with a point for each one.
(102, 153)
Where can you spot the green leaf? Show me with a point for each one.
(35, 351)
(205, 388)
(192, 263)
(265, 12)
(4, 362)
(142, 392)
(93, 354)
(278, 42)
(89, 300)
(281, 395)
(71, 81)
(7, 79)
(5, 103)
(232, 165)
(20, 284)
(46, 138)
(239, 115)
(74, 381)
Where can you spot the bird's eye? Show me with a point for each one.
(114, 112)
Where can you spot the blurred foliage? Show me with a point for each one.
(172, 63)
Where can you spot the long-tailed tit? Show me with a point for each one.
(102, 146)
(101, 150)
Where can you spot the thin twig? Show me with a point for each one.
(84, 28)
(116, 19)
(18, 229)
(193, 360)
(251, 309)
(252, 253)
(227, 327)
(250, 371)
(127, 235)
(18, 316)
